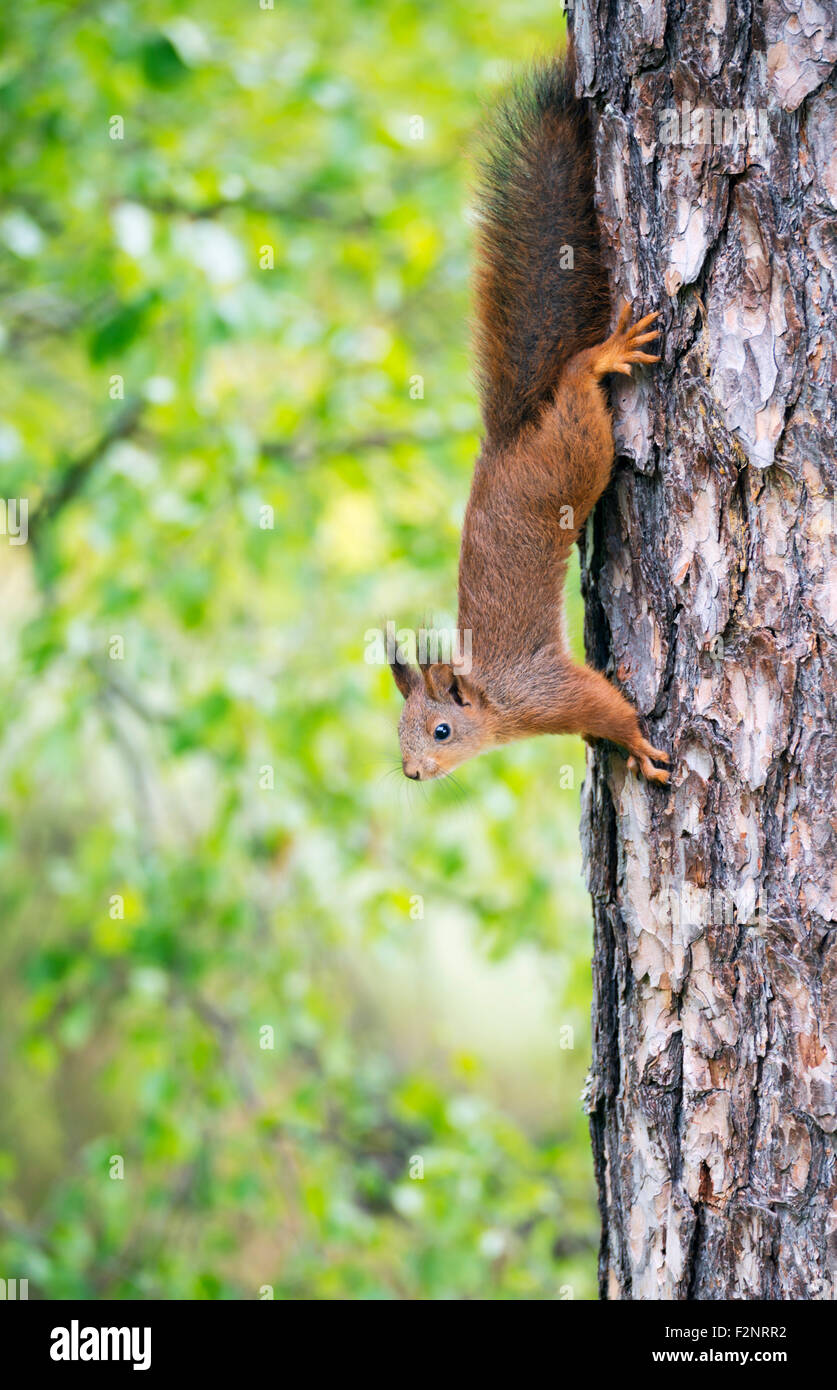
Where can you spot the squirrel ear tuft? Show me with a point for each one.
(437, 679)
(467, 693)
(404, 675)
(443, 682)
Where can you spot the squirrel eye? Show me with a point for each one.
(441, 732)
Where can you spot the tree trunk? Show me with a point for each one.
(711, 598)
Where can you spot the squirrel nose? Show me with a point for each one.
(413, 776)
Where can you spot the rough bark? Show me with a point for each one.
(711, 596)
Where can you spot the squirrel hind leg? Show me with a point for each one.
(622, 349)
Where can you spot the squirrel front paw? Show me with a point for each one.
(640, 758)
(622, 348)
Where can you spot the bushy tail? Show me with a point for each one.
(541, 288)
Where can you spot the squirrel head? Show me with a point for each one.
(446, 718)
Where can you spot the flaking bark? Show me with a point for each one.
(711, 595)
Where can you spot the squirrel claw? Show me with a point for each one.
(622, 348)
(649, 771)
(641, 760)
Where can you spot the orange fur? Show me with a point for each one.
(547, 457)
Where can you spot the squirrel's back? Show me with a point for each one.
(541, 287)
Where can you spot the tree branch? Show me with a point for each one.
(307, 450)
(74, 477)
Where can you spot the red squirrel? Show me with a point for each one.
(543, 350)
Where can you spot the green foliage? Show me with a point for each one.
(167, 655)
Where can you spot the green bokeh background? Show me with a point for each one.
(421, 954)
